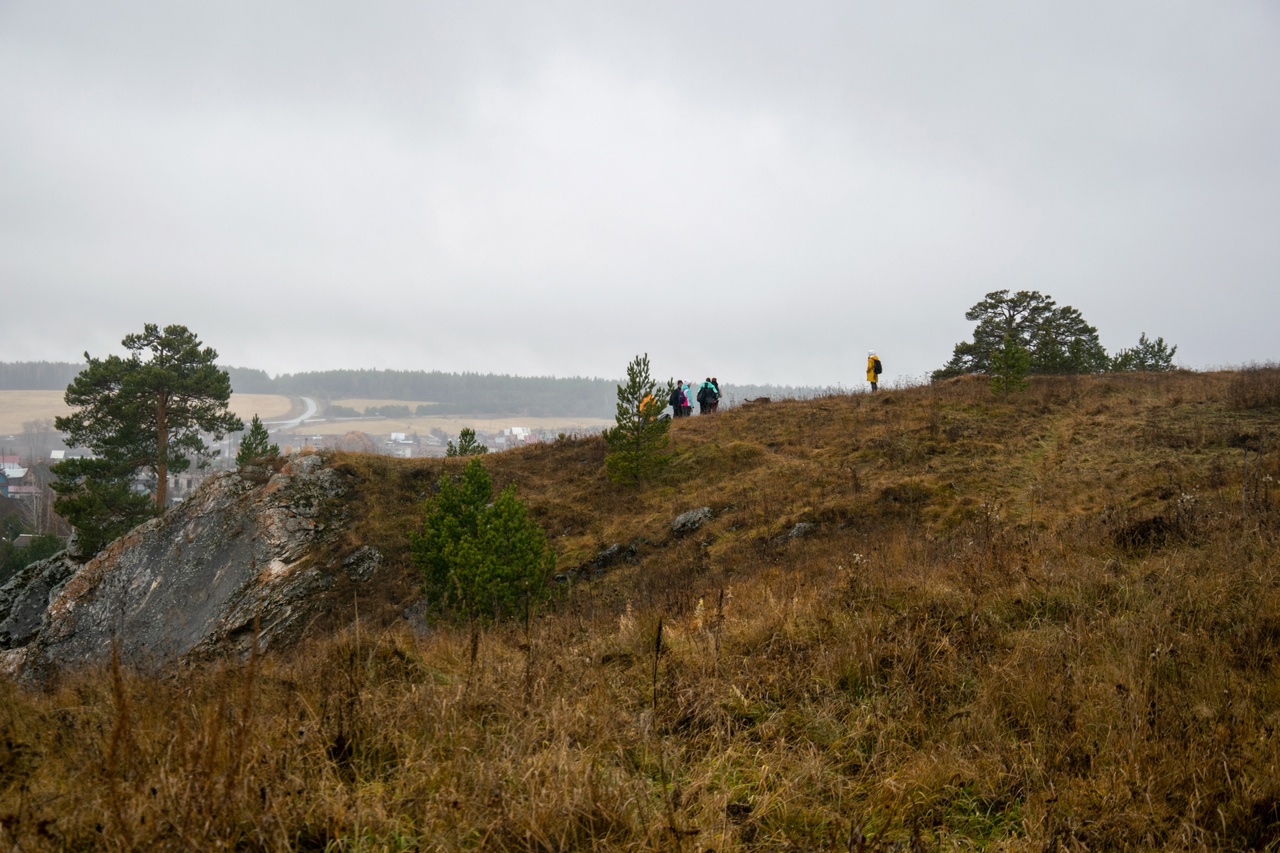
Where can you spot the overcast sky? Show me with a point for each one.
(761, 191)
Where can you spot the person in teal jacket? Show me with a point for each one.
(708, 396)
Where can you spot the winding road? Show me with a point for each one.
(277, 426)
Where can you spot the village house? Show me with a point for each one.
(513, 437)
(16, 481)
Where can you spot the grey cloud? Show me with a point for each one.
(551, 188)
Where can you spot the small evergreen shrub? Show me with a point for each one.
(481, 557)
(467, 445)
(256, 447)
(1009, 367)
(638, 440)
(1148, 356)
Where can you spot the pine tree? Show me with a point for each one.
(467, 444)
(1009, 367)
(256, 445)
(1055, 338)
(638, 441)
(1148, 355)
(481, 557)
(139, 416)
(98, 497)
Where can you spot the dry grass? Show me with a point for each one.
(265, 406)
(1049, 622)
(19, 407)
(1255, 387)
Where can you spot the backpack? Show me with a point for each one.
(878, 367)
(702, 394)
(674, 399)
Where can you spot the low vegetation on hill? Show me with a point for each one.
(931, 616)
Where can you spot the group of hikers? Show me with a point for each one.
(707, 396)
(708, 393)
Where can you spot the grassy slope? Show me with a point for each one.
(1015, 622)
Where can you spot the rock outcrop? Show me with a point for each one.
(687, 522)
(237, 559)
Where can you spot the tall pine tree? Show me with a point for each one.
(1056, 338)
(139, 414)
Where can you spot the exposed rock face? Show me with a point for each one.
(26, 596)
(192, 582)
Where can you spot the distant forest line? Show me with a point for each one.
(490, 394)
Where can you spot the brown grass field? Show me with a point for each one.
(19, 407)
(1046, 622)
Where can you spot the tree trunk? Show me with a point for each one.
(162, 453)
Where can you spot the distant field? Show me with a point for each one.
(19, 407)
(423, 424)
(360, 403)
(265, 406)
(450, 424)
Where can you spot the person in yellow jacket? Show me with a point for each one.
(647, 407)
(874, 369)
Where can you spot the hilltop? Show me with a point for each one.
(1047, 619)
